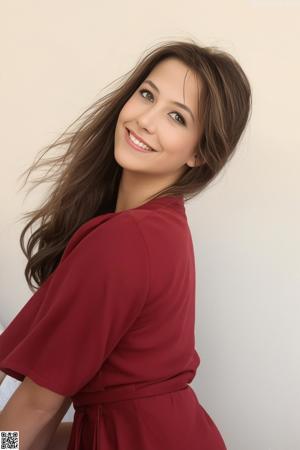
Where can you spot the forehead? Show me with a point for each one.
(177, 82)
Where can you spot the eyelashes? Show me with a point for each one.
(141, 91)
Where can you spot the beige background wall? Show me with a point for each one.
(56, 57)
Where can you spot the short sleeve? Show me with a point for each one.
(65, 332)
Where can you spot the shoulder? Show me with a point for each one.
(105, 250)
(119, 228)
(160, 223)
(109, 234)
(165, 232)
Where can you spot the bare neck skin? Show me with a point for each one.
(136, 188)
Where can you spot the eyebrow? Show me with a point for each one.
(181, 105)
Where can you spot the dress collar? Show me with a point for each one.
(176, 202)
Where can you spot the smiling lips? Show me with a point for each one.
(136, 142)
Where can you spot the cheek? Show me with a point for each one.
(176, 150)
(175, 145)
(123, 119)
(127, 112)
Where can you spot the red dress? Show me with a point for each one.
(113, 328)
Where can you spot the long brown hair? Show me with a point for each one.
(87, 175)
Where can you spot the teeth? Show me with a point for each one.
(140, 144)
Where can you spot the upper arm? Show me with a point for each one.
(56, 434)
(41, 398)
(2, 376)
(68, 329)
(35, 412)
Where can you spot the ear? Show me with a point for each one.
(194, 161)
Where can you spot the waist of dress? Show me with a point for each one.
(128, 392)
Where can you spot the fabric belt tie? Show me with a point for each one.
(87, 417)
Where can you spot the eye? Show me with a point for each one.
(179, 115)
(144, 90)
(141, 91)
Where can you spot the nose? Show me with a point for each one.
(146, 121)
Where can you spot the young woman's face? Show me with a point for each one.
(151, 114)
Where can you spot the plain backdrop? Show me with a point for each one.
(56, 57)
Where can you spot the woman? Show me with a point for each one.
(111, 326)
